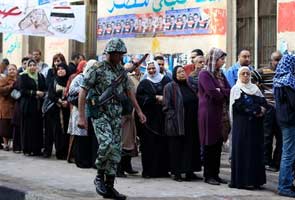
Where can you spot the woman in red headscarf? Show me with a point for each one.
(81, 65)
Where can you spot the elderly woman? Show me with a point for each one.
(214, 93)
(7, 105)
(153, 143)
(284, 92)
(32, 87)
(247, 108)
(181, 125)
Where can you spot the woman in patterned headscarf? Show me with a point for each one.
(214, 93)
(284, 92)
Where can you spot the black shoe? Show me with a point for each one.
(121, 174)
(100, 184)
(120, 171)
(126, 165)
(46, 155)
(192, 177)
(220, 180)
(178, 178)
(111, 192)
(6, 148)
(211, 181)
(258, 187)
(271, 169)
(131, 171)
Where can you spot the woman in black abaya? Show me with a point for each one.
(153, 142)
(247, 107)
(181, 122)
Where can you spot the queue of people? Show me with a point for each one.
(190, 114)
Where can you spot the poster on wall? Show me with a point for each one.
(48, 20)
(191, 21)
(157, 26)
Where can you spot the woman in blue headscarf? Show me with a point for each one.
(284, 92)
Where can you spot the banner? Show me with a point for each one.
(63, 21)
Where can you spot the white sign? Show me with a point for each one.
(63, 21)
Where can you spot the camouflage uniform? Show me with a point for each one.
(106, 119)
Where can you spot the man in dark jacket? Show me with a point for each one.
(75, 59)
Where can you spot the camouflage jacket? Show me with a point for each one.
(96, 80)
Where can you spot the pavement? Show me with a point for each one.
(35, 178)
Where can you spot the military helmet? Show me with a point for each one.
(115, 45)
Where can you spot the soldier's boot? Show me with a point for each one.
(112, 193)
(99, 183)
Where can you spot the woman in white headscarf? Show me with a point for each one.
(247, 107)
(153, 143)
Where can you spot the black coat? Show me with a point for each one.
(29, 104)
(174, 110)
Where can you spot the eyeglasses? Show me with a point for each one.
(161, 64)
(277, 59)
(245, 73)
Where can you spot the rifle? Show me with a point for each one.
(110, 92)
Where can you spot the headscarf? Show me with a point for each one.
(157, 77)
(79, 70)
(249, 88)
(62, 81)
(285, 72)
(213, 55)
(174, 74)
(80, 67)
(34, 75)
(89, 64)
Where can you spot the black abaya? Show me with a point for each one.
(247, 166)
(153, 143)
(185, 150)
(31, 114)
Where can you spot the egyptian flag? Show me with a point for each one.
(62, 11)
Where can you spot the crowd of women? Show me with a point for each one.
(35, 112)
(188, 119)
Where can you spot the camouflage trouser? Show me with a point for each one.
(108, 134)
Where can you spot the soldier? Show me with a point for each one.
(106, 119)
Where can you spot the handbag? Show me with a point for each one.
(47, 104)
(15, 94)
(73, 98)
(225, 123)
